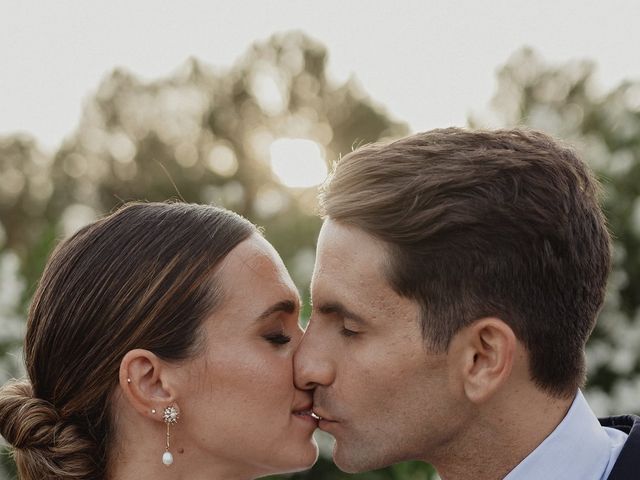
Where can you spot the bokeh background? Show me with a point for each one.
(246, 104)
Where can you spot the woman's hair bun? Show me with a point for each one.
(44, 446)
(25, 421)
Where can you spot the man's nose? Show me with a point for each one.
(313, 363)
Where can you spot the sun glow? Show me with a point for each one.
(298, 163)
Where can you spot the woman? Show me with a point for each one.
(159, 345)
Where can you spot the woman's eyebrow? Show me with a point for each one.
(286, 306)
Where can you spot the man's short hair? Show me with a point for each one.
(501, 223)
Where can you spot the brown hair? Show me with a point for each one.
(139, 278)
(499, 223)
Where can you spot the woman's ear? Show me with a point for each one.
(488, 351)
(145, 383)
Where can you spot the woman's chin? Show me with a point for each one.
(300, 459)
(312, 456)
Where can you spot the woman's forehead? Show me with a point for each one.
(254, 271)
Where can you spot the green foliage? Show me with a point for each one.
(326, 470)
(7, 466)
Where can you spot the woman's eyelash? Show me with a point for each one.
(278, 338)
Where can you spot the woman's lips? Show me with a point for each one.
(305, 412)
(306, 415)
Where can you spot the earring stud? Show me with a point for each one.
(153, 411)
(170, 416)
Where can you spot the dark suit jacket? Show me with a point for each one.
(627, 466)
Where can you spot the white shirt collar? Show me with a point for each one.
(578, 449)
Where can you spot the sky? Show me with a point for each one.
(429, 63)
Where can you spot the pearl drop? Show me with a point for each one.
(167, 458)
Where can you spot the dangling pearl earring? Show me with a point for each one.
(170, 416)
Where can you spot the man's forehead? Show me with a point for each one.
(340, 239)
(348, 257)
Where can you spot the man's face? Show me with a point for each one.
(379, 390)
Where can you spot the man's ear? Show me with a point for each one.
(487, 349)
(145, 383)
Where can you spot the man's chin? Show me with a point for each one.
(355, 460)
(347, 466)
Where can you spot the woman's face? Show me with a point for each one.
(238, 403)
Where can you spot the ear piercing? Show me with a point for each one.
(170, 416)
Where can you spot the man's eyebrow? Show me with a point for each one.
(336, 308)
(286, 306)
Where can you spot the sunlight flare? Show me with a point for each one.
(297, 162)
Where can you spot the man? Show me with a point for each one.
(458, 276)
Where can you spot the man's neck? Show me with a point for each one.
(502, 435)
